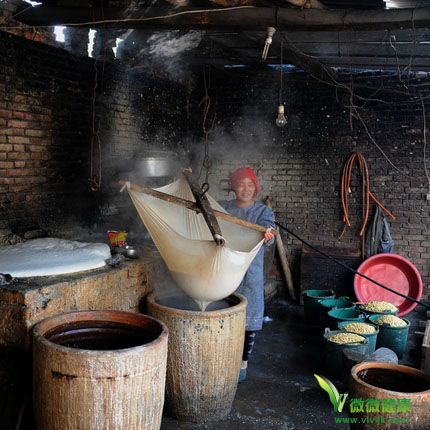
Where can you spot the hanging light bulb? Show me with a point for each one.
(281, 121)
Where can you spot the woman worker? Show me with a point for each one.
(245, 185)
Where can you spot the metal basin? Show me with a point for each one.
(156, 166)
(127, 251)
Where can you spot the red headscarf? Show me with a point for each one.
(242, 173)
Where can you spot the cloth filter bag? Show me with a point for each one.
(203, 270)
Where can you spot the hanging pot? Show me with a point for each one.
(157, 164)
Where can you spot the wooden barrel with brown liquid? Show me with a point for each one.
(99, 370)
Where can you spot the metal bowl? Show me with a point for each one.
(127, 251)
(156, 166)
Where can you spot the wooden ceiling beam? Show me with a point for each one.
(246, 18)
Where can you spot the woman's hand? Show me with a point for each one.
(268, 235)
(183, 170)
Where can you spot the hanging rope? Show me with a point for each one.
(281, 77)
(206, 102)
(367, 195)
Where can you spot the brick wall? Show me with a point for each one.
(300, 166)
(139, 115)
(8, 10)
(44, 129)
(47, 125)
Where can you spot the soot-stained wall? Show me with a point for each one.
(47, 124)
(300, 166)
(44, 130)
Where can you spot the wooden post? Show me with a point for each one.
(192, 206)
(206, 209)
(283, 256)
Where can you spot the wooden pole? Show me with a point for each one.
(285, 266)
(282, 256)
(205, 208)
(238, 19)
(193, 206)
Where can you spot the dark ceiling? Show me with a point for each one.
(383, 35)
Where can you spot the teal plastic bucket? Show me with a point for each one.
(394, 338)
(338, 315)
(329, 304)
(311, 305)
(336, 303)
(371, 338)
(333, 352)
(369, 313)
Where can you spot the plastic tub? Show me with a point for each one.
(311, 300)
(394, 338)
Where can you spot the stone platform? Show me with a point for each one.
(26, 301)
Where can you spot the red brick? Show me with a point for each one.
(18, 188)
(20, 99)
(5, 147)
(17, 197)
(20, 124)
(39, 117)
(33, 164)
(20, 172)
(12, 131)
(35, 133)
(6, 164)
(36, 155)
(22, 107)
(29, 180)
(17, 115)
(7, 181)
(5, 113)
(19, 164)
(18, 155)
(18, 139)
(34, 148)
(38, 141)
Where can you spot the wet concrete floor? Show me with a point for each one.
(280, 391)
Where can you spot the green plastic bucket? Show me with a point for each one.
(333, 352)
(336, 303)
(371, 338)
(369, 313)
(394, 338)
(329, 304)
(335, 316)
(311, 305)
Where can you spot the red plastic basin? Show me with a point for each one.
(393, 271)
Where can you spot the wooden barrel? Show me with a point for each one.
(101, 370)
(399, 397)
(205, 353)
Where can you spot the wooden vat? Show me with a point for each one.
(403, 390)
(205, 353)
(101, 370)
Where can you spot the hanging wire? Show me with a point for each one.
(206, 102)
(281, 74)
(95, 179)
(426, 170)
